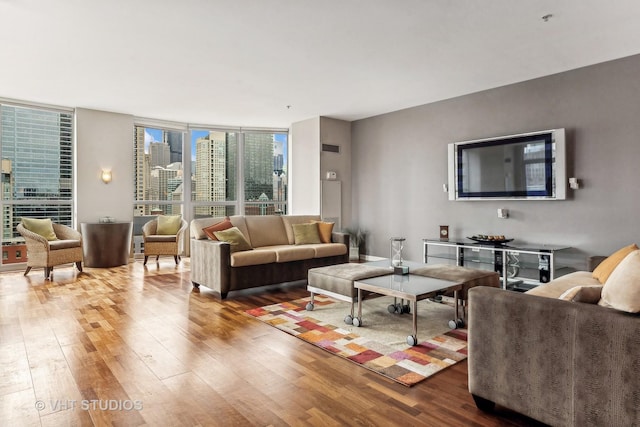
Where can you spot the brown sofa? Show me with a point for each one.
(275, 257)
(562, 362)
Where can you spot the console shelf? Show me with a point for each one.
(523, 266)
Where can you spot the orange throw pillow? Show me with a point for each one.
(218, 226)
(606, 267)
(325, 229)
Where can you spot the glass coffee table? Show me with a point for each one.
(408, 287)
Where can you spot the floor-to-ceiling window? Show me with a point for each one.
(265, 173)
(36, 145)
(159, 175)
(201, 171)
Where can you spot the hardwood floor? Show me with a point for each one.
(137, 345)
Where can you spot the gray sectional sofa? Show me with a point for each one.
(274, 258)
(557, 356)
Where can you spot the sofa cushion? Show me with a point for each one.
(266, 230)
(323, 250)
(42, 227)
(218, 226)
(589, 294)
(289, 220)
(198, 224)
(325, 229)
(622, 289)
(161, 238)
(235, 238)
(286, 253)
(306, 234)
(606, 267)
(168, 224)
(558, 286)
(255, 257)
(64, 244)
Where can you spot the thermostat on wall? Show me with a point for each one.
(331, 175)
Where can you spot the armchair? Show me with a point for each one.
(162, 244)
(49, 253)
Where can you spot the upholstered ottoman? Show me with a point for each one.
(470, 278)
(336, 281)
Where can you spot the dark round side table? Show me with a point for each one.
(106, 244)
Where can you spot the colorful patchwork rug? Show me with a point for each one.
(380, 343)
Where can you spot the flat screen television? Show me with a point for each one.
(524, 166)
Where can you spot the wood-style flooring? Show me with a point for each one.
(137, 345)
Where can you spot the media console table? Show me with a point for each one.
(523, 266)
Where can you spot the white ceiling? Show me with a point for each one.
(242, 62)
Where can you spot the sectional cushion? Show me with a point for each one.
(42, 227)
(586, 294)
(328, 249)
(235, 238)
(198, 224)
(219, 226)
(622, 289)
(255, 257)
(266, 230)
(168, 224)
(606, 267)
(286, 253)
(306, 234)
(561, 284)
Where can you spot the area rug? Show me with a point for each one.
(380, 343)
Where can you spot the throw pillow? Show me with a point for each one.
(42, 227)
(218, 226)
(306, 234)
(168, 224)
(586, 294)
(324, 230)
(622, 289)
(606, 267)
(235, 238)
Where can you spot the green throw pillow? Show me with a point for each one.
(306, 234)
(42, 227)
(169, 224)
(235, 238)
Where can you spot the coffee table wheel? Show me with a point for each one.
(412, 340)
(457, 323)
(348, 319)
(391, 308)
(406, 308)
(309, 306)
(356, 322)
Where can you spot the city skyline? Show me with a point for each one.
(155, 135)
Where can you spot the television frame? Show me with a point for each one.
(554, 141)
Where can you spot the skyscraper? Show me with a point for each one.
(258, 165)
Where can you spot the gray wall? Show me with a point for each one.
(399, 163)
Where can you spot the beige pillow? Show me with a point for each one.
(622, 289)
(306, 234)
(168, 224)
(235, 238)
(42, 227)
(324, 230)
(586, 294)
(606, 267)
(218, 226)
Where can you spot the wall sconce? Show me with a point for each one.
(106, 176)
